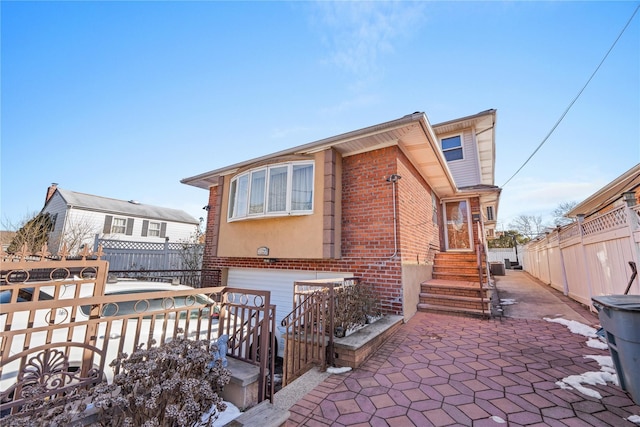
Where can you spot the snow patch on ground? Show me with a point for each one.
(596, 343)
(606, 374)
(634, 419)
(575, 327)
(508, 301)
(333, 370)
(231, 413)
(498, 420)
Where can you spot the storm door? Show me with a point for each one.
(457, 230)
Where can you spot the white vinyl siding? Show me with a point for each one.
(466, 172)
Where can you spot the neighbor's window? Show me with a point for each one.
(154, 229)
(452, 148)
(281, 189)
(118, 225)
(489, 213)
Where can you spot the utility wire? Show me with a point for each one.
(576, 97)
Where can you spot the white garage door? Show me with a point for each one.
(279, 282)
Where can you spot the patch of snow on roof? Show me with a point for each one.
(596, 343)
(575, 327)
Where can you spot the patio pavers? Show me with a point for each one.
(441, 370)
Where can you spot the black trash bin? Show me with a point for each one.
(620, 318)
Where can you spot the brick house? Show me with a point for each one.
(378, 203)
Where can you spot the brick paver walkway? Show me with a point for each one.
(444, 370)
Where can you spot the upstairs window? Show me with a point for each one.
(452, 148)
(280, 189)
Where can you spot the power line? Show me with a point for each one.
(574, 99)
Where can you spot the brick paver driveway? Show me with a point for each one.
(444, 370)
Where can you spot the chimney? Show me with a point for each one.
(52, 189)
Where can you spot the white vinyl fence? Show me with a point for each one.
(590, 257)
(501, 254)
(129, 255)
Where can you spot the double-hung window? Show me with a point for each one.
(275, 190)
(452, 148)
(118, 225)
(154, 229)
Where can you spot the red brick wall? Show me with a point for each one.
(418, 233)
(367, 226)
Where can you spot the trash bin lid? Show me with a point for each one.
(619, 302)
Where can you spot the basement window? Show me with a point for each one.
(276, 190)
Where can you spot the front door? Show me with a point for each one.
(457, 220)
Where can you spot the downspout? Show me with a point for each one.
(393, 179)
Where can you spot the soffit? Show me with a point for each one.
(411, 133)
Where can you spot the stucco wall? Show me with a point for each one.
(296, 236)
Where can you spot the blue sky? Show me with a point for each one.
(124, 99)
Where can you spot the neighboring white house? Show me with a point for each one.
(79, 217)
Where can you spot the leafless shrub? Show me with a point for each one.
(352, 306)
(174, 384)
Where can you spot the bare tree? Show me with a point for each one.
(77, 232)
(560, 211)
(193, 250)
(529, 226)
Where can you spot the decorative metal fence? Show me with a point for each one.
(130, 255)
(60, 328)
(310, 326)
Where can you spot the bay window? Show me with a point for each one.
(275, 190)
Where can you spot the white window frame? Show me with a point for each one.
(152, 231)
(239, 205)
(115, 227)
(461, 147)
